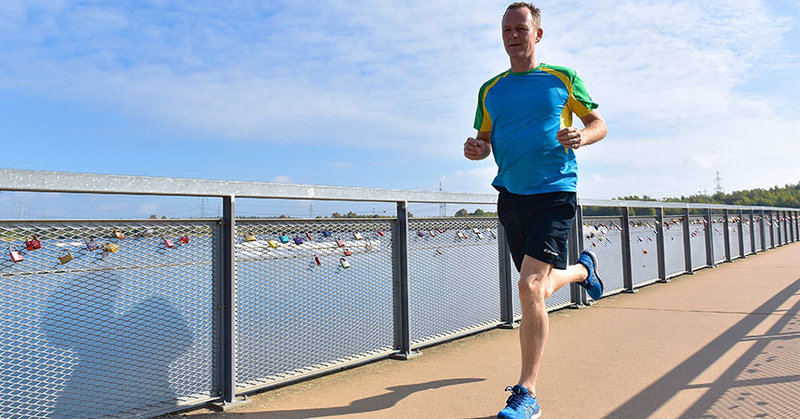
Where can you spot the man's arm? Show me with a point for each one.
(594, 130)
(478, 148)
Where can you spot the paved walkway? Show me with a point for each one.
(724, 343)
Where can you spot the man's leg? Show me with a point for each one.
(538, 281)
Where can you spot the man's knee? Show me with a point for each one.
(533, 288)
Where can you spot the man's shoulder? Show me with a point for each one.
(494, 79)
(566, 71)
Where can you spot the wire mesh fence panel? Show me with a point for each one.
(603, 235)
(757, 232)
(310, 294)
(697, 241)
(785, 229)
(747, 240)
(453, 276)
(718, 236)
(102, 319)
(733, 233)
(674, 249)
(773, 231)
(644, 250)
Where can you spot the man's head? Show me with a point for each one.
(521, 30)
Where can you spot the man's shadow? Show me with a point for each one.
(123, 357)
(366, 405)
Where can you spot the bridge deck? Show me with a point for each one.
(723, 342)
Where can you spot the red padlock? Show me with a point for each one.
(184, 239)
(339, 243)
(347, 252)
(316, 259)
(33, 243)
(380, 233)
(308, 235)
(168, 243)
(16, 256)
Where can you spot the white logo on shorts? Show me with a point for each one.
(550, 252)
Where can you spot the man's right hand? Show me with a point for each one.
(476, 149)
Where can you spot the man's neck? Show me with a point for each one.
(523, 65)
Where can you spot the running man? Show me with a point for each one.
(524, 116)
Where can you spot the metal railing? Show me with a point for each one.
(183, 312)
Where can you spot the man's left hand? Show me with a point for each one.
(570, 137)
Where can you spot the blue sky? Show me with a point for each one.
(383, 94)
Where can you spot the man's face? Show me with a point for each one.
(520, 35)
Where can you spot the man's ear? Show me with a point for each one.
(539, 33)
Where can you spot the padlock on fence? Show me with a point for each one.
(33, 243)
(16, 256)
(326, 233)
(358, 236)
(250, 237)
(272, 243)
(184, 239)
(368, 246)
(284, 239)
(169, 243)
(308, 235)
(316, 259)
(92, 244)
(339, 243)
(148, 233)
(298, 240)
(347, 252)
(345, 264)
(118, 234)
(111, 248)
(480, 235)
(65, 256)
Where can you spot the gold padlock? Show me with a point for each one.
(272, 243)
(65, 256)
(111, 248)
(250, 237)
(118, 234)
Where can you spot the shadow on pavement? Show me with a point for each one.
(369, 404)
(731, 391)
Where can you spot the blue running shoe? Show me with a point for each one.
(593, 284)
(520, 404)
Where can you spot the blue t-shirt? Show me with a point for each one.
(523, 112)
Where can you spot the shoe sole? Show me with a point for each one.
(596, 274)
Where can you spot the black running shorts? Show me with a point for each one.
(537, 225)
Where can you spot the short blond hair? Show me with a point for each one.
(536, 14)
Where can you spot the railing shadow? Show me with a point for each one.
(646, 402)
(369, 404)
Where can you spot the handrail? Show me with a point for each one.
(73, 182)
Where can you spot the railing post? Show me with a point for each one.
(506, 292)
(687, 241)
(402, 321)
(660, 249)
(779, 228)
(227, 305)
(763, 233)
(709, 239)
(771, 229)
(726, 234)
(627, 275)
(741, 233)
(752, 232)
(576, 292)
